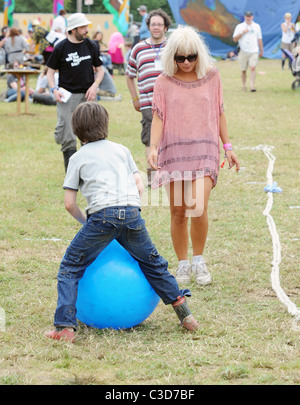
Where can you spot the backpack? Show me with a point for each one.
(51, 37)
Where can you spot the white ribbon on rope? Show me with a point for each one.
(275, 274)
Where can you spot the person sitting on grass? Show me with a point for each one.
(42, 93)
(12, 84)
(98, 169)
(107, 89)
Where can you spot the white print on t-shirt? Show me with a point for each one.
(76, 59)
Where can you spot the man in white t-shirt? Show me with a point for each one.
(59, 23)
(249, 37)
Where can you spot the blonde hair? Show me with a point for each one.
(186, 40)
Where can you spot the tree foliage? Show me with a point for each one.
(151, 5)
(45, 6)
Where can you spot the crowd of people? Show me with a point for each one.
(179, 79)
(35, 49)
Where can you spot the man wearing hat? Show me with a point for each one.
(249, 37)
(75, 59)
(144, 33)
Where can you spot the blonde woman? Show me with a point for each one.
(188, 121)
(288, 33)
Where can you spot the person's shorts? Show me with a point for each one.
(289, 47)
(146, 125)
(247, 59)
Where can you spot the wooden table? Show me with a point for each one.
(19, 73)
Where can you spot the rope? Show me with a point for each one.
(275, 274)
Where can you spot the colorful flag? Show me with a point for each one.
(57, 6)
(120, 11)
(8, 11)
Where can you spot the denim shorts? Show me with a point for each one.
(126, 225)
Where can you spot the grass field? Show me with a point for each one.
(246, 334)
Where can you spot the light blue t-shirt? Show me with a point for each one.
(144, 32)
(103, 171)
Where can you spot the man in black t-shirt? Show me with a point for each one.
(75, 59)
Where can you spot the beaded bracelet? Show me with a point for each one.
(226, 146)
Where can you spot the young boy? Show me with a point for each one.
(108, 178)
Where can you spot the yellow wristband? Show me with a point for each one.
(136, 98)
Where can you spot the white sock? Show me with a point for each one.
(197, 259)
(184, 262)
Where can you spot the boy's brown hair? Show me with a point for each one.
(90, 122)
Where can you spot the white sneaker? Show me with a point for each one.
(201, 273)
(183, 273)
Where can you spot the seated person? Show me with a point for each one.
(42, 93)
(231, 55)
(12, 83)
(107, 89)
(104, 55)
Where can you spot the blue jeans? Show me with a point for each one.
(106, 60)
(12, 95)
(126, 226)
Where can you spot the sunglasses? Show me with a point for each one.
(190, 58)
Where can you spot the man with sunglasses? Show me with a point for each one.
(145, 65)
(75, 59)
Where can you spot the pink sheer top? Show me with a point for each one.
(190, 111)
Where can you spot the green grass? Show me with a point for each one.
(245, 335)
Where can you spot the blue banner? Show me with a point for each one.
(216, 20)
